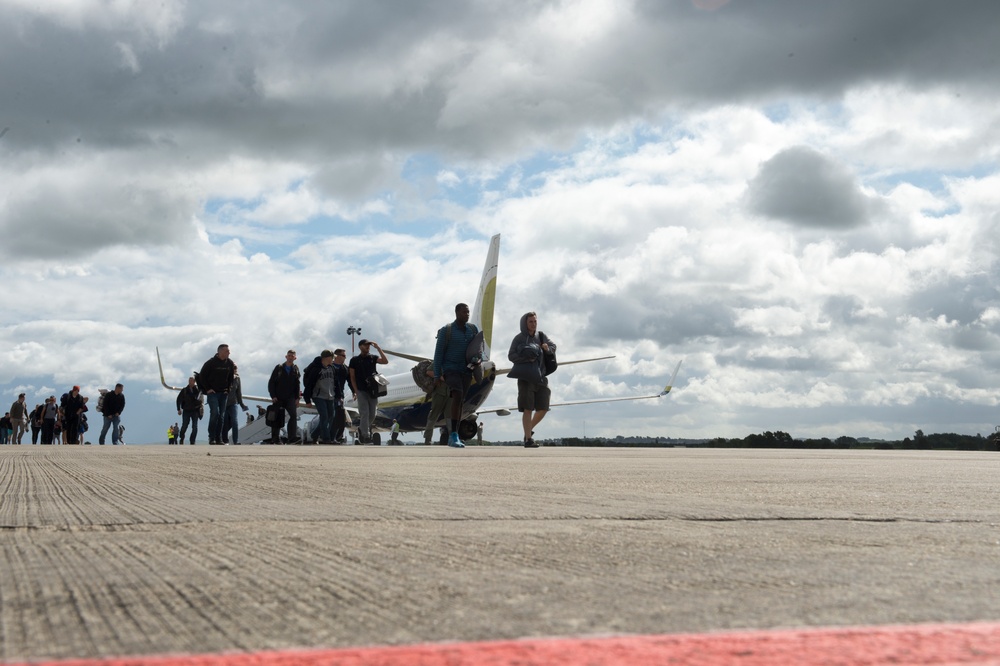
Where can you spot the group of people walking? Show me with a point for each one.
(63, 421)
(457, 364)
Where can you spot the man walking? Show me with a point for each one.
(527, 353)
(284, 387)
(72, 405)
(214, 380)
(18, 418)
(50, 414)
(451, 366)
(362, 372)
(341, 377)
(112, 408)
(189, 408)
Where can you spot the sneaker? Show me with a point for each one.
(455, 442)
(530, 444)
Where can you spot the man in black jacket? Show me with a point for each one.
(284, 387)
(189, 408)
(112, 407)
(72, 405)
(214, 380)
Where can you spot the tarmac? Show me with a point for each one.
(138, 551)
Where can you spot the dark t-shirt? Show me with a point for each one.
(364, 367)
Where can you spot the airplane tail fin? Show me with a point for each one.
(482, 312)
(670, 383)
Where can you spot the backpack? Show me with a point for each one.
(100, 401)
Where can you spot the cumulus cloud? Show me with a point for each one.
(269, 173)
(802, 186)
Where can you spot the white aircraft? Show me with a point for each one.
(408, 402)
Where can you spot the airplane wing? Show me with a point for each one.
(504, 371)
(504, 411)
(409, 357)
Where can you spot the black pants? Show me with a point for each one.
(48, 430)
(71, 426)
(339, 421)
(189, 416)
(290, 406)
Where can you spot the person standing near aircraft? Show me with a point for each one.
(451, 366)
(214, 380)
(439, 405)
(284, 387)
(73, 405)
(19, 419)
(527, 353)
(362, 372)
(232, 417)
(189, 408)
(112, 407)
(341, 377)
(318, 386)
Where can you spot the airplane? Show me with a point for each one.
(408, 401)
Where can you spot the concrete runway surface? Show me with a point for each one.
(153, 550)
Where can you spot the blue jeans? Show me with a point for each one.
(325, 410)
(108, 422)
(216, 408)
(232, 421)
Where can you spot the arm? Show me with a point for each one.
(381, 360)
(521, 351)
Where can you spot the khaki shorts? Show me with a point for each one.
(458, 381)
(532, 397)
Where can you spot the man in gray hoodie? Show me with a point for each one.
(527, 352)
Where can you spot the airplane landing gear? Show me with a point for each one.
(377, 439)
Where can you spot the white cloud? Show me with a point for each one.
(180, 175)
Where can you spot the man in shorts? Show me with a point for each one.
(530, 346)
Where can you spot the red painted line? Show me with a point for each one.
(918, 645)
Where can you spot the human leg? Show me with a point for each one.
(104, 431)
(115, 422)
(233, 417)
(324, 409)
(292, 410)
(216, 405)
(366, 412)
(339, 421)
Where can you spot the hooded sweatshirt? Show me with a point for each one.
(526, 348)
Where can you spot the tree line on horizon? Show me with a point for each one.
(948, 441)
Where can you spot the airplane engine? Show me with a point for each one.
(468, 429)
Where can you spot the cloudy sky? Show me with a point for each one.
(797, 197)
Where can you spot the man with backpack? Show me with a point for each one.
(452, 366)
(528, 351)
(111, 405)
